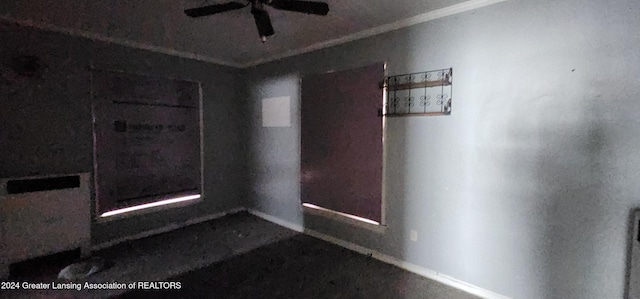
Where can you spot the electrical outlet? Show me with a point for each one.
(414, 235)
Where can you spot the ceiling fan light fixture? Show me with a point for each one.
(263, 22)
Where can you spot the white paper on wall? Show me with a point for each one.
(276, 112)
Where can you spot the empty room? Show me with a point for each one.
(320, 149)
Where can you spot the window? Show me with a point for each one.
(341, 144)
(147, 137)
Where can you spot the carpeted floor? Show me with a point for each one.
(302, 267)
(238, 256)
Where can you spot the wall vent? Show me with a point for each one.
(44, 184)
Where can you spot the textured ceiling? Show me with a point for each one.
(230, 38)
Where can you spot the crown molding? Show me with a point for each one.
(118, 41)
(425, 17)
(422, 18)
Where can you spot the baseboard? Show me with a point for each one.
(439, 277)
(430, 274)
(276, 220)
(166, 228)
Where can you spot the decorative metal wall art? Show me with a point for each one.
(425, 93)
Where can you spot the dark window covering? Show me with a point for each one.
(147, 139)
(341, 150)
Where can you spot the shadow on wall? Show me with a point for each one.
(632, 277)
(580, 241)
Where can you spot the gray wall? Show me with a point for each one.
(46, 122)
(527, 187)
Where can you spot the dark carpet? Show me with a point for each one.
(237, 256)
(301, 267)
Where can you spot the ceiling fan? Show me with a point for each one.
(260, 15)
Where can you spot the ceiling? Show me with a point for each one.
(230, 38)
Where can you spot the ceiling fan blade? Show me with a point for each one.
(263, 22)
(308, 7)
(213, 9)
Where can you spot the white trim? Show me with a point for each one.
(425, 17)
(166, 228)
(276, 220)
(342, 243)
(118, 41)
(430, 274)
(439, 277)
(383, 188)
(201, 130)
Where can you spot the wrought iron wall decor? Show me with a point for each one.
(425, 93)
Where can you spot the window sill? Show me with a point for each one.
(345, 218)
(148, 210)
